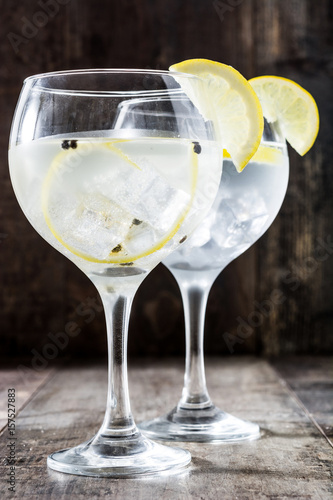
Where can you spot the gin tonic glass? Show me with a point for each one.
(246, 205)
(115, 201)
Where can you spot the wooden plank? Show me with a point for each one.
(287, 254)
(311, 379)
(291, 460)
(25, 381)
(291, 38)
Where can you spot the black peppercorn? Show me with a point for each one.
(197, 147)
(117, 249)
(69, 144)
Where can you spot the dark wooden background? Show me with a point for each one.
(42, 291)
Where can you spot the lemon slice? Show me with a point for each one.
(292, 106)
(230, 103)
(106, 204)
(269, 155)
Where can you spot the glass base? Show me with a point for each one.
(119, 457)
(200, 425)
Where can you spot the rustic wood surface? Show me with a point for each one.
(311, 380)
(292, 38)
(25, 382)
(292, 459)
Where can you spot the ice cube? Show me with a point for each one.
(147, 196)
(98, 225)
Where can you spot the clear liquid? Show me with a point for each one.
(103, 199)
(246, 205)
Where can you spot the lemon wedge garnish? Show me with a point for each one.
(292, 106)
(90, 200)
(230, 103)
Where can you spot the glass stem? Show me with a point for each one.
(118, 420)
(195, 295)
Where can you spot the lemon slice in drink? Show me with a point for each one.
(292, 106)
(230, 103)
(264, 154)
(106, 202)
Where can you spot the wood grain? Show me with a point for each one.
(291, 460)
(25, 382)
(311, 380)
(292, 38)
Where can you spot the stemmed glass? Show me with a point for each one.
(115, 201)
(246, 205)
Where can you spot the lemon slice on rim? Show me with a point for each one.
(106, 207)
(292, 106)
(230, 103)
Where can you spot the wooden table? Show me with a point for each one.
(290, 399)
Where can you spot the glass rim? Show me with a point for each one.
(101, 71)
